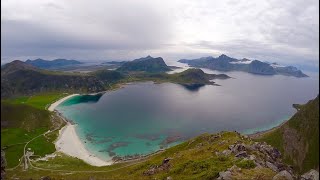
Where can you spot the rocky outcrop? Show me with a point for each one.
(262, 155)
(283, 175)
(158, 168)
(310, 175)
(3, 164)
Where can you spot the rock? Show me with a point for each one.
(238, 148)
(45, 178)
(166, 160)
(283, 175)
(234, 168)
(272, 166)
(158, 168)
(222, 142)
(310, 175)
(226, 152)
(252, 157)
(225, 175)
(241, 154)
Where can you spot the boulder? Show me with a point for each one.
(283, 175)
(226, 175)
(226, 152)
(237, 148)
(166, 160)
(310, 175)
(272, 166)
(241, 154)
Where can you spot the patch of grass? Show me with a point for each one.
(40, 101)
(13, 154)
(42, 146)
(246, 164)
(14, 139)
(12, 136)
(24, 116)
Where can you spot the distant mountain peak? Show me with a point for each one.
(223, 56)
(147, 64)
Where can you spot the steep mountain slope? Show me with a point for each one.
(19, 78)
(147, 64)
(298, 138)
(225, 63)
(46, 64)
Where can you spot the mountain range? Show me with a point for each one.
(46, 64)
(226, 63)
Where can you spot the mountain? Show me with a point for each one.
(225, 63)
(258, 67)
(107, 75)
(298, 138)
(146, 64)
(46, 64)
(19, 78)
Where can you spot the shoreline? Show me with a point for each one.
(258, 134)
(56, 103)
(69, 143)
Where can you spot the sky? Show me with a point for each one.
(280, 31)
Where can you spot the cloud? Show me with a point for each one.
(283, 31)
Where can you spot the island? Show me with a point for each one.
(226, 63)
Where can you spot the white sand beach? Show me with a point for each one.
(55, 104)
(70, 144)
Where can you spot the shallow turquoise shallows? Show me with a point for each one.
(145, 117)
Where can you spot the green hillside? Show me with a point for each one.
(205, 157)
(22, 122)
(21, 79)
(298, 138)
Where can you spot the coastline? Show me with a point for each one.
(261, 133)
(55, 104)
(69, 142)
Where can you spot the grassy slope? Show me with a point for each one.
(194, 159)
(305, 125)
(40, 101)
(24, 118)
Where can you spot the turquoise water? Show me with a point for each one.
(145, 117)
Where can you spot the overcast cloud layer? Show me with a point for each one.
(269, 30)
